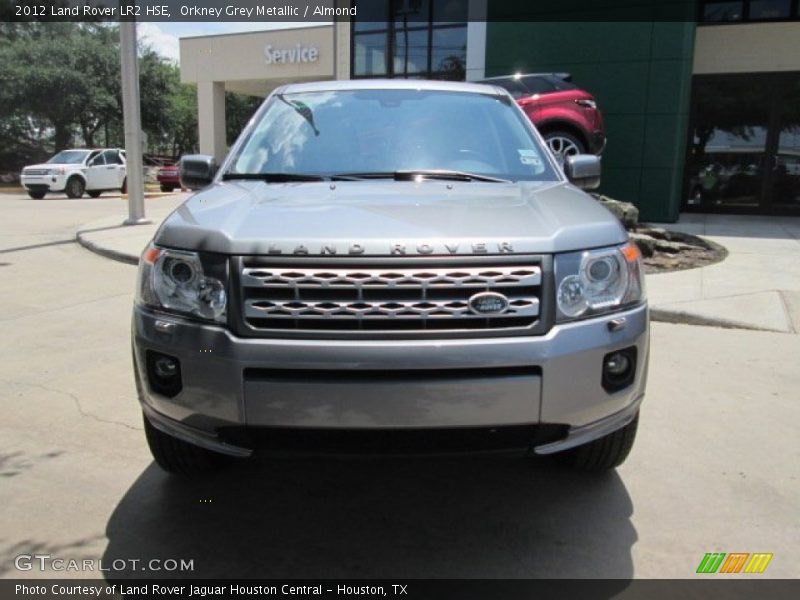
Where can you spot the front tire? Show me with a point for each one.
(75, 187)
(605, 453)
(124, 188)
(36, 195)
(94, 194)
(167, 188)
(176, 456)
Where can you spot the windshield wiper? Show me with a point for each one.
(274, 177)
(413, 174)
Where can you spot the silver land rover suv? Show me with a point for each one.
(390, 266)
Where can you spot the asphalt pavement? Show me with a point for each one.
(714, 469)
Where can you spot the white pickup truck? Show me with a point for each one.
(76, 171)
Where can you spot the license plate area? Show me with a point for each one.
(422, 398)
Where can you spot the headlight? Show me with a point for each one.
(598, 281)
(174, 280)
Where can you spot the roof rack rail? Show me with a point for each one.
(563, 76)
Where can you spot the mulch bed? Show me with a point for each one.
(665, 250)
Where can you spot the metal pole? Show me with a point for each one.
(133, 123)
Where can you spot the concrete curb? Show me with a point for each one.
(148, 195)
(91, 246)
(684, 318)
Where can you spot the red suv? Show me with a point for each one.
(565, 115)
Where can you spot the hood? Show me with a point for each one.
(390, 218)
(49, 166)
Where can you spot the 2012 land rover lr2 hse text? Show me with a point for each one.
(399, 264)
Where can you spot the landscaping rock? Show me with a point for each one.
(646, 244)
(662, 249)
(626, 212)
(691, 240)
(688, 253)
(656, 232)
(670, 247)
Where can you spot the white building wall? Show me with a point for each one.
(211, 118)
(237, 62)
(476, 40)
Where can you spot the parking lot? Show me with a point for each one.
(715, 467)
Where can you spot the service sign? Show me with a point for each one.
(294, 54)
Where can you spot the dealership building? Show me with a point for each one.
(701, 98)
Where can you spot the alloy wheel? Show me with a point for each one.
(562, 147)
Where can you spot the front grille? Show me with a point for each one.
(394, 298)
(35, 172)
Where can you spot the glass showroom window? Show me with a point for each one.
(726, 11)
(410, 39)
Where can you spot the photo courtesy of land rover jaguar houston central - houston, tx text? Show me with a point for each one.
(389, 266)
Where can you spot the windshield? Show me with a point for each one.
(69, 157)
(384, 131)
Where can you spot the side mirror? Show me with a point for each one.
(583, 170)
(197, 170)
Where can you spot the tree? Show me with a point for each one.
(98, 61)
(41, 78)
(182, 115)
(238, 110)
(158, 81)
(60, 84)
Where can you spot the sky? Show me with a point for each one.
(163, 37)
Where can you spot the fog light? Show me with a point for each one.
(163, 373)
(617, 364)
(165, 367)
(619, 369)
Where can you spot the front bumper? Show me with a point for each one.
(46, 183)
(233, 383)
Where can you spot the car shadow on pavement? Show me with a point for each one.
(64, 197)
(441, 517)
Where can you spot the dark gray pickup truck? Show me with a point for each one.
(399, 263)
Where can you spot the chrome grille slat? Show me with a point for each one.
(364, 278)
(411, 298)
(424, 309)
